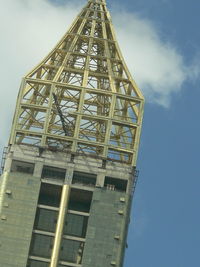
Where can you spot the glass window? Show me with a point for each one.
(20, 166)
(71, 251)
(115, 184)
(41, 245)
(80, 200)
(54, 173)
(50, 195)
(46, 220)
(82, 178)
(75, 225)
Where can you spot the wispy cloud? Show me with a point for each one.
(29, 30)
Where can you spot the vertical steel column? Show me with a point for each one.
(59, 226)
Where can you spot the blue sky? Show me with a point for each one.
(165, 220)
(161, 46)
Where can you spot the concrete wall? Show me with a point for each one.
(105, 238)
(19, 194)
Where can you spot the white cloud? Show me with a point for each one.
(158, 68)
(29, 29)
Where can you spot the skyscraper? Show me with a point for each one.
(69, 170)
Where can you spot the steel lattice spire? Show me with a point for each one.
(81, 97)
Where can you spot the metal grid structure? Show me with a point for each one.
(81, 97)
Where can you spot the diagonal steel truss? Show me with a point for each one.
(83, 86)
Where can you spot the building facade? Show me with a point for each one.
(69, 170)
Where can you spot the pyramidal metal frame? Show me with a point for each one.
(81, 98)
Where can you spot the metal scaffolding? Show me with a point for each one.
(81, 98)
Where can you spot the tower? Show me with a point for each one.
(66, 187)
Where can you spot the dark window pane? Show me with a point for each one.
(71, 251)
(80, 200)
(115, 184)
(41, 245)
(21, 166)
(75, 225)
(84, 179)
(53, 173)
(50, 195)
(46, 220)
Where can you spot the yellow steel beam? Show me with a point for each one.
(60, 225)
